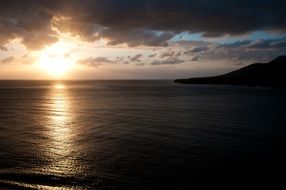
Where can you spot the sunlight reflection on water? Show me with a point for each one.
(60, 145)
(59, 86)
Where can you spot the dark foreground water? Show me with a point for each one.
(139, 135)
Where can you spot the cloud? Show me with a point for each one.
(213, 18)
(191, 44)
(8, 60)
(28, 20)
(137, 37)
(94, 61)
(136, 58)
(152, 55)
(196, 50)
(237, 52)
(135, 23)
(167, 54)
(195, 58)
(268, 44)
(237, 44)
(169, 61)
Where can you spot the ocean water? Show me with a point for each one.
(139, 135)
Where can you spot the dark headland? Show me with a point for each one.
(272, 74)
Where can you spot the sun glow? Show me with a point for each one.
(56, 59)
(59, 86)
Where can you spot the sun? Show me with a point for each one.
(57, 65)
(56, 59)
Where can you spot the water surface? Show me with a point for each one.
(138, 135)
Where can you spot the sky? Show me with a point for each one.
(137, 39)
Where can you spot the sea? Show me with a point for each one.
(140, 134)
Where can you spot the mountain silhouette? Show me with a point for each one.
(272, 74)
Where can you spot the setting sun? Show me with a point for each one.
(55, 65)
(56, 59)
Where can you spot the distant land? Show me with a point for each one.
(272, 74)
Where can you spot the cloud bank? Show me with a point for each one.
(145, 22)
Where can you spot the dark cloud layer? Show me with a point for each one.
(145, 22)
(213, 17)
(28, 20)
